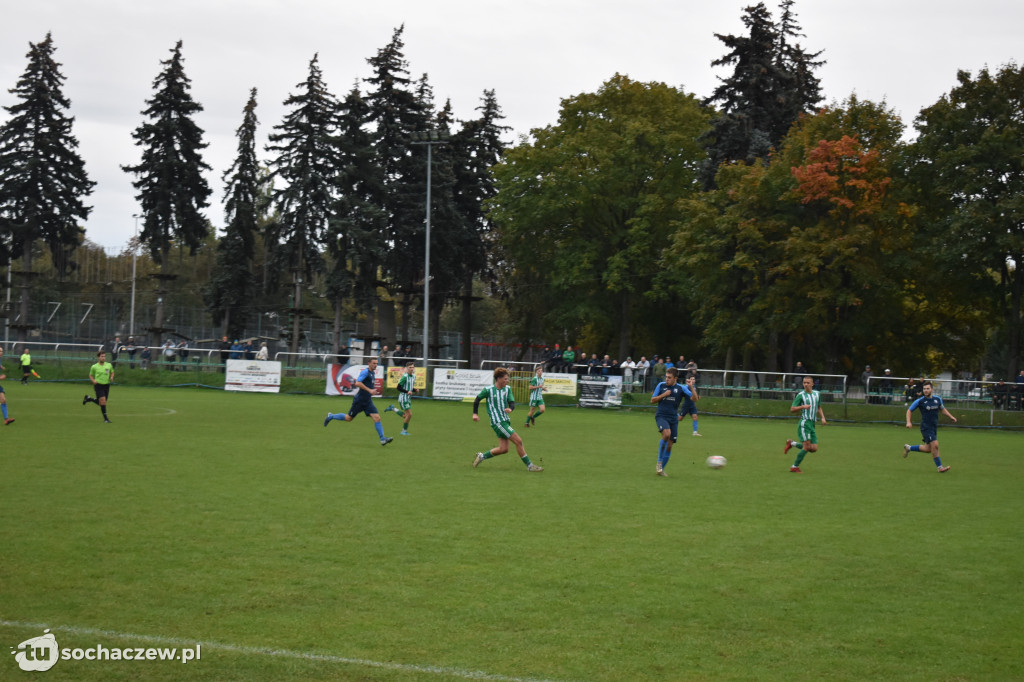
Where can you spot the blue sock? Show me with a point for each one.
(3, 408)
(937, 460)
(380, 429)
(668, 453)
(915, 448)
(695, 426)
(661, 452)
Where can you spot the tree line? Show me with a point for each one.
(749, 228)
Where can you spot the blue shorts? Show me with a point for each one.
(689, 409)
(365, 406)
(670, 423)
(929, 435)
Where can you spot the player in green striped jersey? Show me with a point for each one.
(406, 387)
(499, 406)
(536, 397)
(808, 404)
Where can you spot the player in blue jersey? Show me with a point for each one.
(808, 404)
(690, 399)
(366, 382)
(499, 409)
(930, 406)
(668, 394)
(3, 396)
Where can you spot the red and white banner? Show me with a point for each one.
(344, 382)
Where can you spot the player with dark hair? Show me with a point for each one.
(406, 387)
(537, 389)
(101, 375)
(362, 401)
(667, 395)
(499, 408)
(930, 406)
(690, 399)
(808, 404)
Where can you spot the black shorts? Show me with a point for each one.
(102, 390)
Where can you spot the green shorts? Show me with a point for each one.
(537, 403)
(805, 432)
(405, 401)
(503, 429)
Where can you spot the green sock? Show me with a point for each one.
(526, 460)
(534, 417)
(487, 454)
(405, 426)
(799, 458)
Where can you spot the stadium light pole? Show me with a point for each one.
(428, 138)
(135, 251)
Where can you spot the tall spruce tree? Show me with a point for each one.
(42, 177)
(307, 162)
(478, 147)
(232, 283)
(172, 191)
(771, 84)
(354, 249)
(396, 110)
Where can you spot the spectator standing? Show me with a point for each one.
(236, 350)
(169, 353)
(146, 355)
(885, 386)
(692, 371)
(115, 349)
(643, 368)
(799, 372)
(263, 353)
(183, 354)
(865, 380)
(627, 367)
(658, 369)
(131, 350)
(225, 352)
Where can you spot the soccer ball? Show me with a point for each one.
(715, 461)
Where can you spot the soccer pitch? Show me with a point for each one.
(292, 551)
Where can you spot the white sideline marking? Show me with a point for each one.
(278, 653)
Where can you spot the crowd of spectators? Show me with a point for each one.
(643, 374)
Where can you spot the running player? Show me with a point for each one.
(667, 395)
(499, 408)
(362, 401)
(536, 397)
(3, 396)
(808, 404)
(101, 375)
(406, 387)
(930, 406)
(690, 399)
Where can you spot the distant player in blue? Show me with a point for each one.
(930, 406)
(668, 395)
(690, 399)
(363, 401)
(3, 396)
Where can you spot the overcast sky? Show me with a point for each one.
(532, 53)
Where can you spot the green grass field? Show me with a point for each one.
(294, 551)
